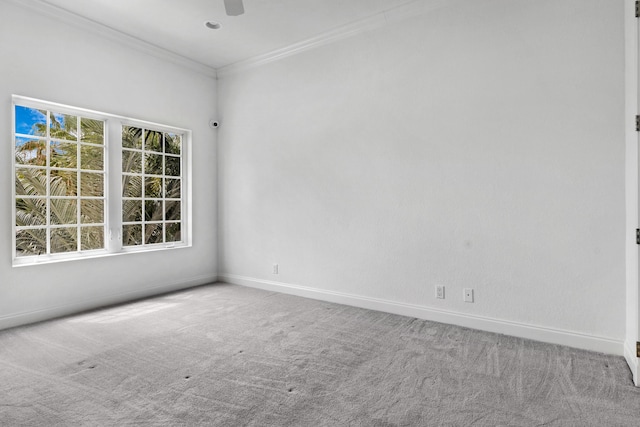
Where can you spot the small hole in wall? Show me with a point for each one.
(212, 25)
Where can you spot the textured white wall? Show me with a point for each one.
(49, 60)
(481, 145)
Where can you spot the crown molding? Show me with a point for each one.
(374, 22)
(97, 28)
(340, 33)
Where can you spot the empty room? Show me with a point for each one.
(319, 213)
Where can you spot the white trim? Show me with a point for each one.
(371, 23)
(93, 27)
(517, 329)
(632, 361)
(69, 109)
(377, 21)
(112, 178)
(632, 323)
(374, 22)
(99, 253)
(27, 317)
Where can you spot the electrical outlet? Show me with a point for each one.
(467, 295)
(440, 291)
(275, 268)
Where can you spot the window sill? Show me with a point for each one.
(54, 259)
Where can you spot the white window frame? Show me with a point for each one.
(112, 184)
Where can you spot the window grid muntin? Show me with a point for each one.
(49, 142)
(112, 198)
(143, 151)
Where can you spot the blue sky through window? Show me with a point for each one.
(59, 118)
(27, 118)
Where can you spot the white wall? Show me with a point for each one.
(50, 60)
(480, 145)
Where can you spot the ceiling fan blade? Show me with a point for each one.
(234, 7)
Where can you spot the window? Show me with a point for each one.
(70, 183)
(151, 186)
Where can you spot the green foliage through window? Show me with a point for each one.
(66, 183)
(56, 200)
(151, 186)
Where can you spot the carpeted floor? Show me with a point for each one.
(224, 355)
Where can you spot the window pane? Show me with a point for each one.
(91, 238)
(153, 140)
(172, 166)
(92, 130)
(91, 184)
(131, 137)
(173, 232)
(64, 154)
(153, 187)
(63, 183)
(61, 205)
(31, 152)
(31, 212)
(131, 161)
(172, 211)
(172, 188)
(31, 182)
(63, 126)
(91, 157)
(31, 242)
(30, 121)
(153, 233)
(172, 143)
(64, 240)
(132, 210)
(63, 211)
(132, 235)
(153, 164)
(91, 211)
(132, 186)
(152, 210)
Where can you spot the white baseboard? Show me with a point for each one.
(632, 360)
(522, 330)
(27, 317)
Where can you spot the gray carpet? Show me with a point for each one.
(225, 355)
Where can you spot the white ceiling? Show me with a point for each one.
(266, 26)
